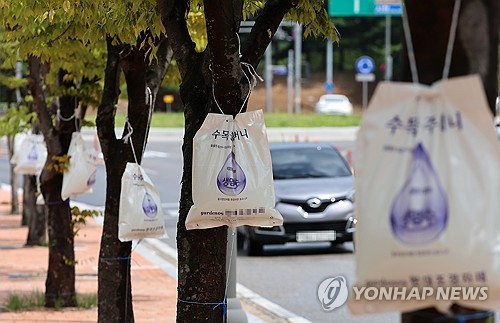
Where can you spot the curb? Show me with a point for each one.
(273, 134)
(243, 293)
(165, 257)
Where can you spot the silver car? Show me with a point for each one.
(314, 189)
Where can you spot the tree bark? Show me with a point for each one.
(30, 209)
(475, 51)
(27, 205)
(14, 195)
(202, 253)
(60, 282)
(36, 214)
(114, 291)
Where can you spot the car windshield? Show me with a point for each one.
(310, 162)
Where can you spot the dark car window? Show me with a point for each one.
(308, 162)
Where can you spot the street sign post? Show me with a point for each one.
(168, 99)
(365, 67)
(370, 8)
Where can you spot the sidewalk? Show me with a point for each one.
(23, 271)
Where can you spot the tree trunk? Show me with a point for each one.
(36, 214)
(201, 253)
(14, 195)
(29, 204)
(475, 51)
(60, 281)
(115, 292)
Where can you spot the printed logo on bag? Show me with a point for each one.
(92, 179)
(138, 177)
(231, 135)
(419, 212)
(414, 124)
(333, 292)
(149, 206)
(231, 179)
(33, 155)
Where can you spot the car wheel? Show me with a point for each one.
(252, 247)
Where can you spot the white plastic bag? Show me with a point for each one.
(18, 141)
(32, 155)
(81, 173)
(140, 215)
(427, 181)
(232, 173)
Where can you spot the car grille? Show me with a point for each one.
(315, 226)
(309, 209)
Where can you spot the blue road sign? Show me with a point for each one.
(388, 9)
(280, 70)
(365, 65)
(329, 86)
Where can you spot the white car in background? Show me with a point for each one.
(334, 104)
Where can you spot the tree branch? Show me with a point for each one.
(36, 82)
(173, 16)
(156, 70)
(264, 29)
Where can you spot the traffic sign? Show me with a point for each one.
(388, 9)
(367, 8)
(168, 98)
(280, 70)
(365, 77)
(329, 86)
(365, 65)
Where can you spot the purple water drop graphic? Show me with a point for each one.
(149, 206)
(33, 155)
(419, 212)
(231, 179)
(92, 178)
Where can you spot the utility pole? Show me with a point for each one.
(298, 65)
(289, 82)
(269, 78)
(329, 66)
(388, 57)
(19, 75)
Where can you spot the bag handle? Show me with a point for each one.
(130, 130)
(251, 84)
(449, 48)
